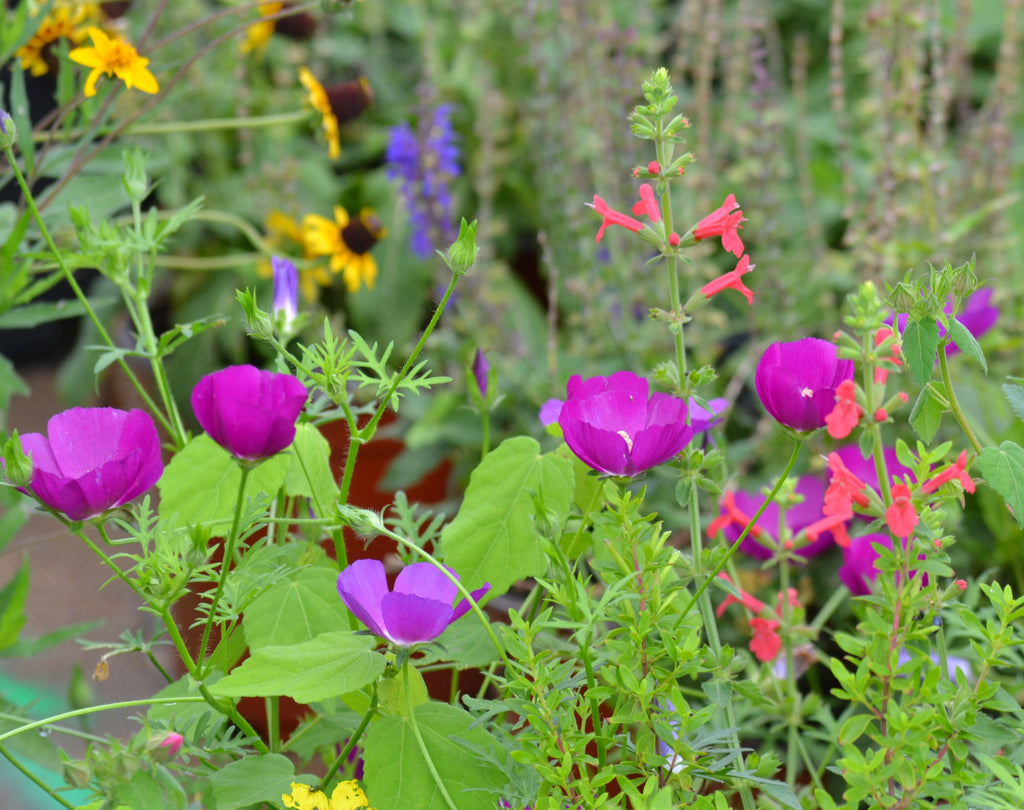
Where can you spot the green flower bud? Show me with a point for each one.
(257, 322)
(904, 296)
(76, 773)
(463, 251)
(17, 465)
(134, 179)
(8, 132)
(962, 279)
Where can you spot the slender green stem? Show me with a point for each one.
(178, 641)
(121, 704)
(792, 694)
(51, 792)
(273, 708)
(419, 741)
(954, 404)
(228, 708)
(199, 125)
(353, 741)
(366, 433)
(71, 732)
(485, 442)
(839, 596)
(225, 566)
(79, 293)
(109, 562)
(159, 666)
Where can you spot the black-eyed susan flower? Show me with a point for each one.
(348, 243)
(65, 21)
(346, 796)
(336, 104)
(284, 234)
(301, 25)
(115, 57)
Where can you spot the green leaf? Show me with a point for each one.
(853, 728)
(494, 537)
(926, 415)
(397, 775)
(1003, 468)
(144, 790)
(309, 469)
(920, 342)
(296, 610)
(329, 665)
(395, 696)
(1014, 392)
(201, 482)
(22, 119)
(251, 780)
(12, 606)
(968, 345)
(30, 315)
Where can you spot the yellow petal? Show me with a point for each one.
(87, 56)
(142, 80)
(90, 83)
(348, 796)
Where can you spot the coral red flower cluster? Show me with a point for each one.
(765, 642)
(844, 417)
(724, 222)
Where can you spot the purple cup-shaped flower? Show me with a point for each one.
(249, 412)
(797, 381)
(615, 425)
(798, 518)
(418, 609)
(93, 459)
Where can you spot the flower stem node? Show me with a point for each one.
(364, 522)
(463, 252)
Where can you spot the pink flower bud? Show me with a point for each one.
(673, 239)
(654, 167)
(961, 584)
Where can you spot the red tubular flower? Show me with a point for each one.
(724, 222)
(766, 642)
(612, 217)
(830, 523)
(955, 471)
(732, 514)
(647, 204)
(844, 490)
(881, 336)
(846, 414)
(901, 516)
(749, 602)
(732, 280)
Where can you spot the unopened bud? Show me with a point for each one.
(961, 584)
(881, 415)
(8, 132)
(165, 745)
(673, 239)
(654, 167)
(903, 397)
(16, 464)
(463, 251)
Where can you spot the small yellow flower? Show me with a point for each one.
(63, 22)
(285, 233)
(259, 33)
(322, 104)
(348, 242)
(115, 57)
(346, 796)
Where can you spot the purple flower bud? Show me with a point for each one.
(249, 412)
(286, 290)
(797, 381)
(418, 609)
(480, 370)
(617, 427)
(93, 459)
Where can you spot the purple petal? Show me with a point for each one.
(858, 569)
(423, 579)
(702, 420)
(411, 619)
(463, 607)
(659, 443)
(362, 587)
(603, 450)
(550, 411)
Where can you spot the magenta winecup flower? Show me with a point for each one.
(797, 381)
(418, 609)
(93, 459)
(615, 425)
(249, 412)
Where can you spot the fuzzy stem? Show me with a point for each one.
(419, 741)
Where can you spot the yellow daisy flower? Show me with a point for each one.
(115, 57)
(285, 233)
(346, 796)
(259, 33)
(348, 242)
(322, 104)
(63, 22)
